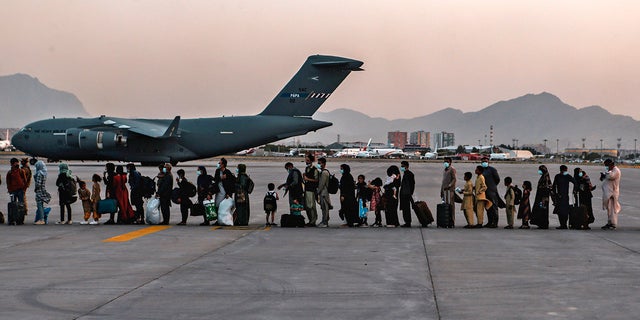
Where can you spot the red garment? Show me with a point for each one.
(126, 213)
(16, 180)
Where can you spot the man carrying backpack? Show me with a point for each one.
(310, 189)
(293, 185)
(323, 192)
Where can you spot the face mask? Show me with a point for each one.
(341, 171)
(198, 172)
(237, 171)
(446, 165)
(580, 174)
(606, 168)
(403, 169)
(565, 173)
(218, 166)
(20, 166)
(485, 164)
(318, 166)
(164, 170)
(540, 172)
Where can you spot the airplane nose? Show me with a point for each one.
(18, 140)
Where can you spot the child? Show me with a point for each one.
(509, 199)
(85, 197)
(95, 198)
(296, 208)
(270, 204)
(376, 200)
(362, 194)
(525, 207)
(467, 200)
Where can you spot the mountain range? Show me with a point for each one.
(25, 99)
(530, 119)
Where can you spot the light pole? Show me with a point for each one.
(601, 149)
(619, 145)
(557, 142)
(635, 148)
(545, 148)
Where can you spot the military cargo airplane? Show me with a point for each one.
(154, 141)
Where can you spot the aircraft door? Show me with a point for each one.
(73, 137)
(91, 140)
(101, 140)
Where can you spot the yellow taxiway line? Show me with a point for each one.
(136, 234)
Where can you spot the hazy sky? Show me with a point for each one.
(208, 58)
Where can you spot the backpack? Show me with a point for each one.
(250, 185)
(190, 190)
(148, 187)
(334, 184)
(69, 190)
(69, 187)
(517, 195)
(270, 203)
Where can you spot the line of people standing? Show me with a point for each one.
(312, 187)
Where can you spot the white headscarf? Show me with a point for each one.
(41, 168)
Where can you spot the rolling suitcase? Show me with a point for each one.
(107, 206)
(423, 213)
(578, 215)
(15, 212)
(444, 215)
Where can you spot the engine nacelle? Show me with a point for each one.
(101, 140)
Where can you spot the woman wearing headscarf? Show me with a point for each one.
(42, 196)
(243, 188)
(582, 192)
(125, 211)
(390, 196)
(540, 207)
(348, 202)
(66, 192)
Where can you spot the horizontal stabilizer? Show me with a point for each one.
(346, 65)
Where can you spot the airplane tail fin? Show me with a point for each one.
(316, 80)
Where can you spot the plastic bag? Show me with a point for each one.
(210, 210)
(362, 210)
(153, 211)
(225, 212)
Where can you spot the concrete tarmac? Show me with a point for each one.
(193, 272)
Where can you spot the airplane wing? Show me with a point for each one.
(149, 128)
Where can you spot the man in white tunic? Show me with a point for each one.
(610, 193)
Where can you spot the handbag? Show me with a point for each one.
(197, 210)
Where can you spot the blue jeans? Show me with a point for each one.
(39, 211)
(18, 195)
